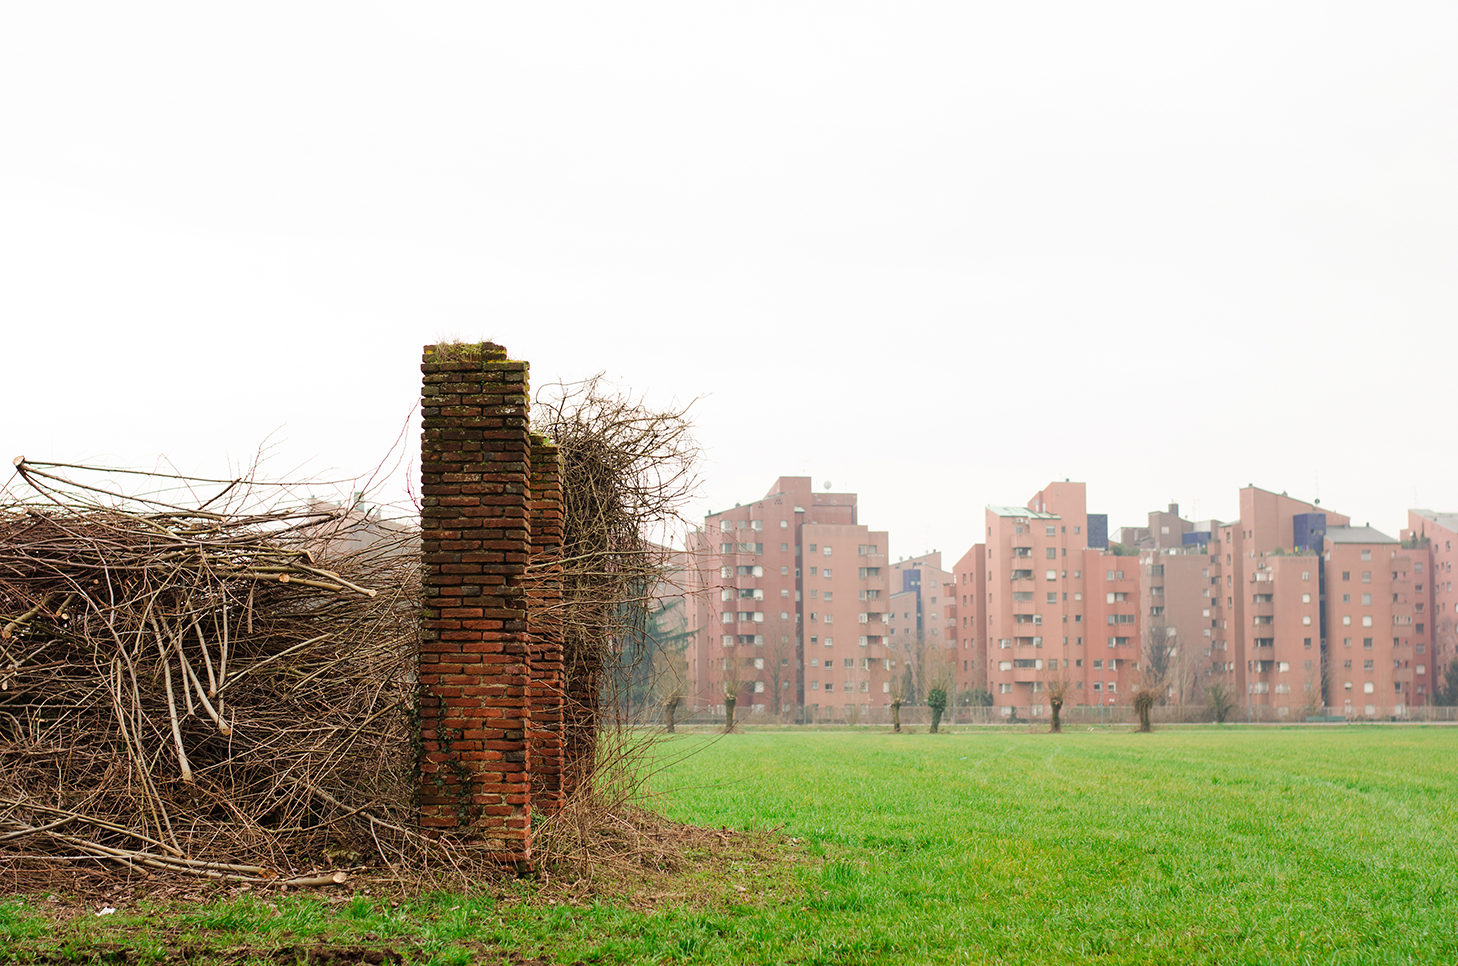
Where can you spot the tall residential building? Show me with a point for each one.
(923, 621)
(969, 580)
(1266, 599)
(1435, 599)
(1047, 600)
(1175, 599)
(1240, 603)
(1377, 638)
(1294, 608)
(790, 597)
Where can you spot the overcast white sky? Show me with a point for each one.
(937, 254)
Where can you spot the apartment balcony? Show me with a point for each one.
(1022, 575)
(1264, 608)
(1022, 553)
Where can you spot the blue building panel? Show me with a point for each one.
(1195, 538)
(1309, 531)
(1098, 531)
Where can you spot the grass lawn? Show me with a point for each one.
(1260, 845)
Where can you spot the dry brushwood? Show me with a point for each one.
(222, 689)
(627, 471)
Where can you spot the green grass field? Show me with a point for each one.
(1260, 845)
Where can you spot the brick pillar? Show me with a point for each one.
(474, 760)
(545, 623)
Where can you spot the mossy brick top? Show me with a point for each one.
(462, 353)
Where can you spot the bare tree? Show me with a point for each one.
(896, 687)
(731, 682)
(1170, 661)
(939, 678)
(1222, 700)
(916, 654)
(781, 658)
(1056, 683)
(1149, 684)
(857, 680)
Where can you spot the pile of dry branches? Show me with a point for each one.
(216, 677)
(223, 689)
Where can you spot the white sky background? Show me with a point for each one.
(938, 254)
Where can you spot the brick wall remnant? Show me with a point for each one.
(490, 658)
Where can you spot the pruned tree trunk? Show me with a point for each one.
(729, 714)
(1143, 704)
(936, 699)
(669, 712)
(1055, 707)
(896, 717)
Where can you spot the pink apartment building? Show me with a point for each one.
(1297, 611)
(1045, 599)
(969, 580)
(1434, 598)
(1241, 602)
(1376, 641)
(790, 600)
(923, 621)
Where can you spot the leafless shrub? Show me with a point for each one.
(627, 472)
